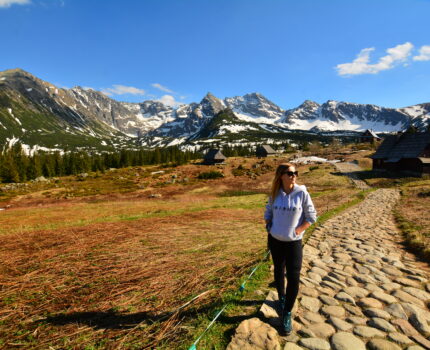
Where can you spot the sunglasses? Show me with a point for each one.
(291, 173)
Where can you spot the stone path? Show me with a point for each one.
(350, 169)
(359, 289)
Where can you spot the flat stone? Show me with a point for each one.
(419, 321)
(407, 282)
(319, 263)
(340, 324)
(314, 276)
(381, 324)
(369, 303)
(331, 285)
(373, 312)
(396, 310)
(342, 296)
(428, 287)
(417, 293)
(418, 278)
(357, 320)
(364, 278)
(361, 269)
(356, 292)
(382, 278)
(350, 270)
(399, 338)
(382, 344)
(315, 343)
(318, 271)
(414, 309)
(368, 332)
(326, 291)
(406, 297)
(328, 300)
(310, 292)
(339, 275)
(386, 298)
(411, 332)
(373, 288)
(292, 346)
(309, 303)
(254, 334)
(292, 338)
(390, 286)
(353, 310)
(334, 280)
(321, 330)
(330, 310)
(351, 282)
(313, 317)
(346, 341)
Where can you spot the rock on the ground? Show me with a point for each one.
(253, 334)
(346, 341)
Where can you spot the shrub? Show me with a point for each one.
(424, 194)
(210, 175)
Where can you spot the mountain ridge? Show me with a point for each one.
(80, 112)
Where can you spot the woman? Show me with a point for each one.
(288, 214)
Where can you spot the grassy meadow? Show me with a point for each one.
(105, 261)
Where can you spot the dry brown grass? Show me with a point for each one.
(116, 265)
(414, 215)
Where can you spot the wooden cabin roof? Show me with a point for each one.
(403, 146)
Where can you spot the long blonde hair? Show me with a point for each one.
(277, 182)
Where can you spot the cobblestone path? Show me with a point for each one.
(350, 169)
(360, 289)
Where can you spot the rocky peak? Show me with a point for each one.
(211, 105)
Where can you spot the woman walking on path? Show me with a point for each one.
(288, 214)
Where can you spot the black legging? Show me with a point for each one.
(287, 255)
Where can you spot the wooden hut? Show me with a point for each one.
(369, 136)
(214, 156)
(265, 151)
(404, 152)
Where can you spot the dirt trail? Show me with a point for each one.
(359, 288)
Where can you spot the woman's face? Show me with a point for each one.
(289, 177)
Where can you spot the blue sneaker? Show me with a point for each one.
(287, 323)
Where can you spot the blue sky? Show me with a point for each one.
(366, 51)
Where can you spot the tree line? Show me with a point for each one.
(16, 166)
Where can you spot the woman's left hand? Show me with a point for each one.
(298, 231)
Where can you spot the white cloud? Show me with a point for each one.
(162, 88)
(169, 100)
(360, 65)
(424, 54)
(9, 3)
(122, 90)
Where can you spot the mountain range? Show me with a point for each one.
(40, 115)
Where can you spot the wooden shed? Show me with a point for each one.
(214, 156)
(404, 152)
(369, 136)
(264, 151)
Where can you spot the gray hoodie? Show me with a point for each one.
(288, 211)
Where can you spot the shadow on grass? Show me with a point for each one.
(114, 320)
(101, 320)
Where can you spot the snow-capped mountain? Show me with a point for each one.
(334, 116)
(32, 110)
